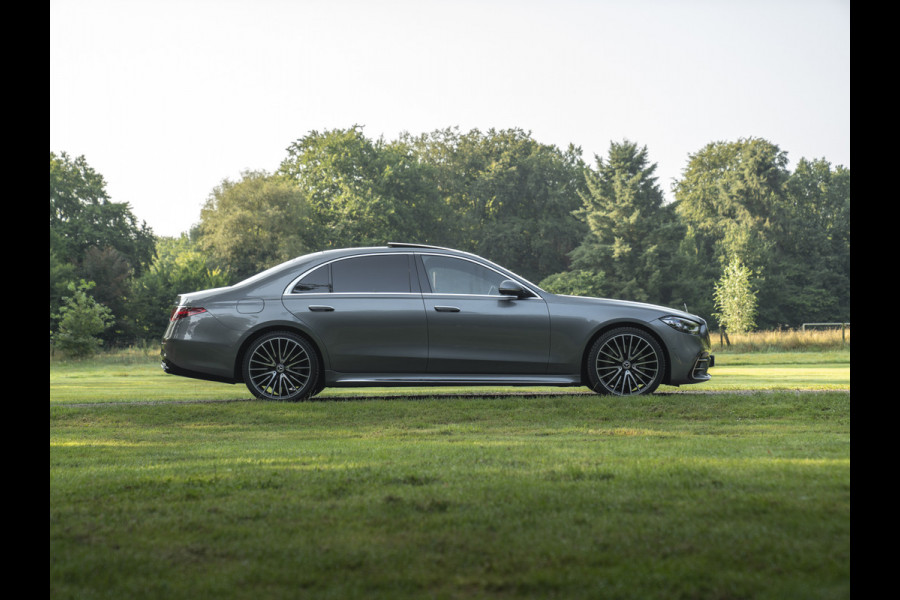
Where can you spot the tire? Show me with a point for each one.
(282, 366)
(625, 362)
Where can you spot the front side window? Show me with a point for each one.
(448, 275)
(378, 273)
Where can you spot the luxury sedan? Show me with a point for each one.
(416, 315)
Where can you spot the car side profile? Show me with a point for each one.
(416, 315)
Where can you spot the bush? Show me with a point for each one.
(81, 318)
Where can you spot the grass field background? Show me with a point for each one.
(452, 493)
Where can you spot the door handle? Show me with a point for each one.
(446, 309)
(320, 308)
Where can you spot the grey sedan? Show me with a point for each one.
(415, 315)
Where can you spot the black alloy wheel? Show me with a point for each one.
(626, 362)
(281, 366)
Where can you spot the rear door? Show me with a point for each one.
(472, 328)
(368, 312)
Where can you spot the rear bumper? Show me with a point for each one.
(172, 369)
(201, 348)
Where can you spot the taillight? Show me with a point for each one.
(181, 312)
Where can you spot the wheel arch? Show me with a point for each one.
(667, 372)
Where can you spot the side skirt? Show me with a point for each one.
(335, 379)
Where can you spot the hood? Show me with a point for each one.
(657, 308)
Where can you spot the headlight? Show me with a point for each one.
(682, 325)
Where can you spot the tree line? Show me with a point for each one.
(600, 229)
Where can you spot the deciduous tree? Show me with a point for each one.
(575, 283)
(179, 268)
(740, 199)
(257, 222)
(815, 270)
(361, 192)
(82, 216)
(735, 298)
(511, 198)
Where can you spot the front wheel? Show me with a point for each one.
(281, 366)
(625, 362)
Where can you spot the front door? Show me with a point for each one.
(472, 328)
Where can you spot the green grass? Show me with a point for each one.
(385, 495)
(780, 371)
(134, 376)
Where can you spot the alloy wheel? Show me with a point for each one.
(627, 363)
(280, 367)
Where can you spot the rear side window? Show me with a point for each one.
(380, 274)
(317, 281)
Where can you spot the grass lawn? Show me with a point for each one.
(136, 376)
(381, 495)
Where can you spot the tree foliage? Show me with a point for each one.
(735, 298)
(600, 230)
(93, 239)
(255, 223)
(576, 283)
(632, 235)
(497, 193)
(81, 320)
(361, 192)
(61, 275)
(82, 216)
(111, 274)
(815, 269)
(738, 199)
(179, 268)
(505, 196)
(733, 195)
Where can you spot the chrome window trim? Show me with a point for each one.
(482, 296)
(522, 282)
(363, 294)
(290, 286)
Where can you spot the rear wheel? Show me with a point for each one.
(281, 366)
(625, 362)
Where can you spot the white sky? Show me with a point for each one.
(166, 98)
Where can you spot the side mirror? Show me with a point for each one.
(510, 288)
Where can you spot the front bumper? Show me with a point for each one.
(704, 362)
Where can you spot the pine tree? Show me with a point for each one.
(633, 234)
(81, 319)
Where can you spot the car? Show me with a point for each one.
(419, 315)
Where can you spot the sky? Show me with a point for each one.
(168, 98)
